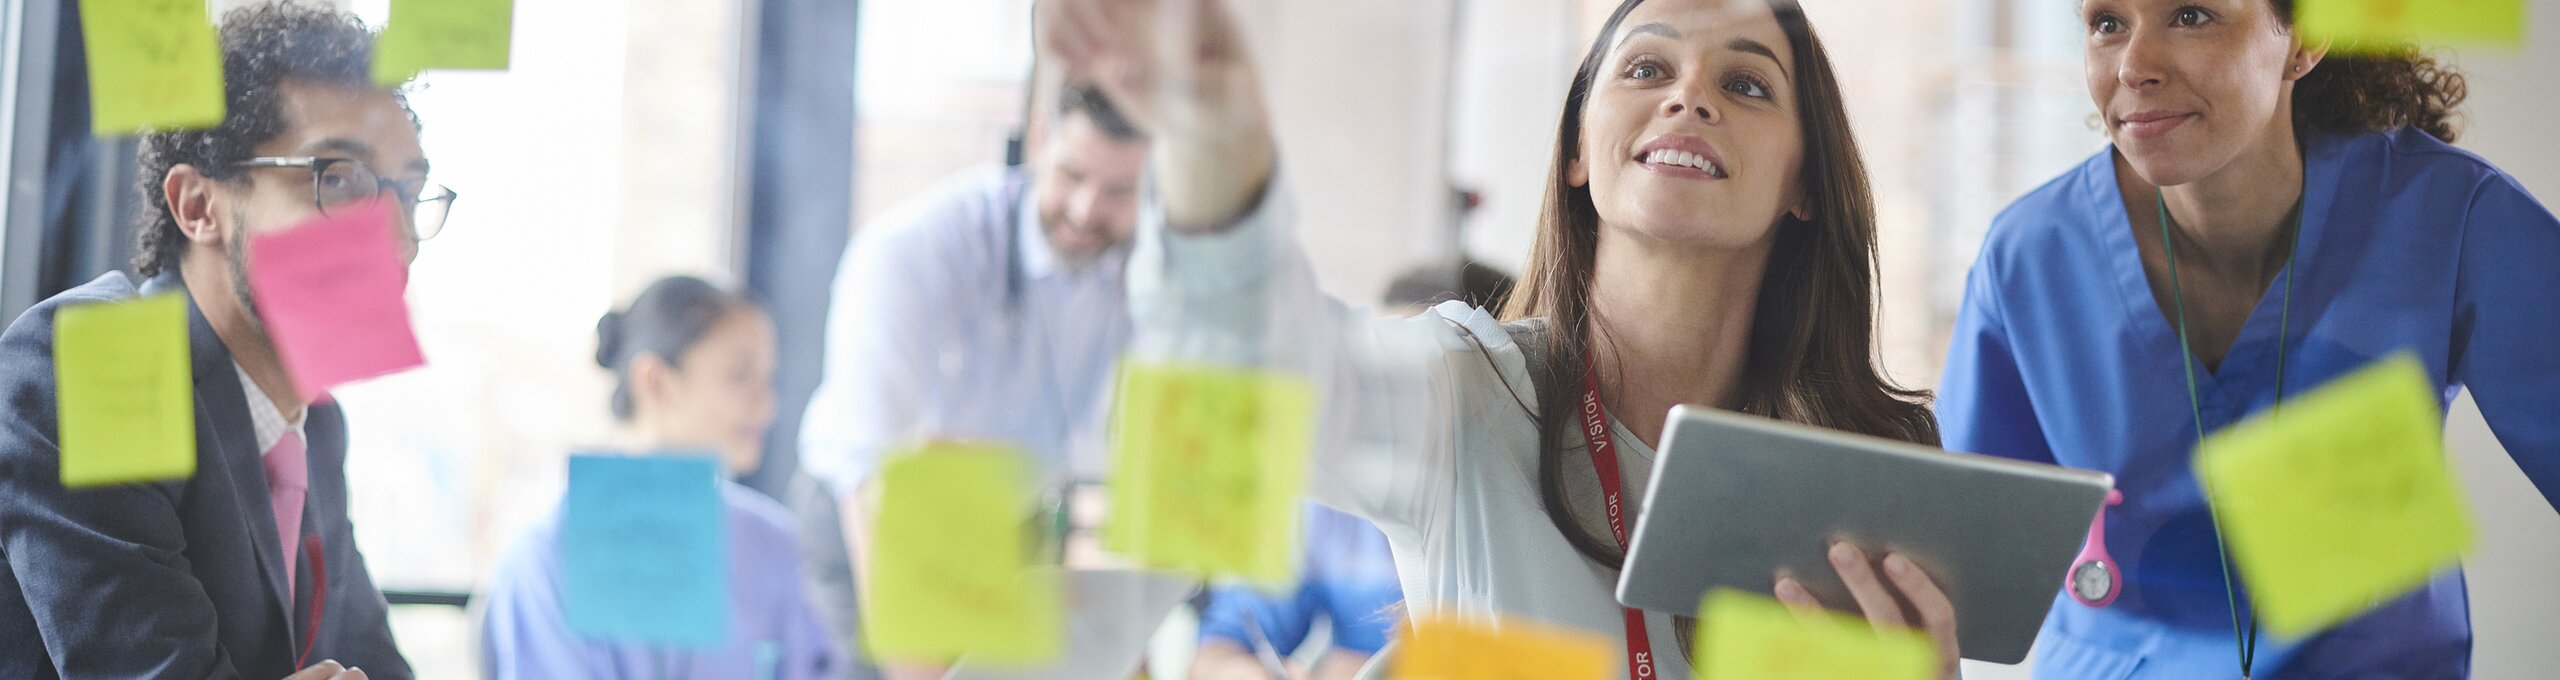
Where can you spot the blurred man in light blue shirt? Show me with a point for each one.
(989, 309)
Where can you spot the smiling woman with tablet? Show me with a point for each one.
(1709, 238)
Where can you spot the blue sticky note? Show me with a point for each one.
(643, 554)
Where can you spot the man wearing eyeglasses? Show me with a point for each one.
(249, 568)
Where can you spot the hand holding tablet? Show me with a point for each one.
(1736, 499)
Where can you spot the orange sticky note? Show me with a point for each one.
(153, 65)
(2340, 500)
(2370, 25)
(1439, 648)
(1209, 469)
(1742, 635)
(125, 389)
(950, 564)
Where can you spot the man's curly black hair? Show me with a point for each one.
(262, 46)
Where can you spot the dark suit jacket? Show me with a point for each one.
(178, 579)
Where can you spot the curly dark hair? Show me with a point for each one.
(2378, 87)
(263, 45)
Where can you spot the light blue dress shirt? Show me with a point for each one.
(2061, 354)
(953, 319)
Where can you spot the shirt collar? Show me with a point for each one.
(1030, 241)
(265, 419)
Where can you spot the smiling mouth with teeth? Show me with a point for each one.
(1684, 159)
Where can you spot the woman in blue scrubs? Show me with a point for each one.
(2318, 221)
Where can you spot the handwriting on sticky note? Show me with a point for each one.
(1208, 468)
(1445, 648)
(2383, 25)
(153, 65)
(443, 34)
(125, 390)
(950, 565)
(330, 292)
(1743, 635)
(2339, 500)
(644, 550)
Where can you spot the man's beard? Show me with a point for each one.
(1078, 259)
(236, 250)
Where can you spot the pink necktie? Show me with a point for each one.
(288, 476)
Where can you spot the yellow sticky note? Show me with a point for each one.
(2339, 501)
(2368, 25)
(1742, 635)
(950, 566)
(1209, 469)
(1438, 648)
(443, 34)
(153, 64)
(125, 389)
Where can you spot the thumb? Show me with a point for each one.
(319, 671)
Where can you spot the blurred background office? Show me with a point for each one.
(743, 141)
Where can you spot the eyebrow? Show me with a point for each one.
(358, 150)
(350, 147)
(1744, 45)
(1749, 46)
(1652, 27)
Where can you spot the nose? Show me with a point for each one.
(1082, 205)
(1689, 99)
(2139, 66)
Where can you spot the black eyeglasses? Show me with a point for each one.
(338, 183)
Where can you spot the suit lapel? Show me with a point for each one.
(230, 444)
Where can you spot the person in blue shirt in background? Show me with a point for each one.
(1350, 575)
(693, 367)
(2283, 215)
(1349, 581)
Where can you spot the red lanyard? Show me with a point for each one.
(1604, 460)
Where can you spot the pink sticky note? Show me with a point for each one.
(329, 291)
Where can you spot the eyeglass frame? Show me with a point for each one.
(319, 166)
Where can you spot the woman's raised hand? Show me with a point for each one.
(1181, 70)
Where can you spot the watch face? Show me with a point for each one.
(2091, 581)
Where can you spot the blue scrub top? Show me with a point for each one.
(2062, 355)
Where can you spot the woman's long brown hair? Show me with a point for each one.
(1812, 345)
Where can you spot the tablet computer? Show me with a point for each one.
(1735, 498)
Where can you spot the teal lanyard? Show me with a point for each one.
(2247, 641)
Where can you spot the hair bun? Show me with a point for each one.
(609, 340)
